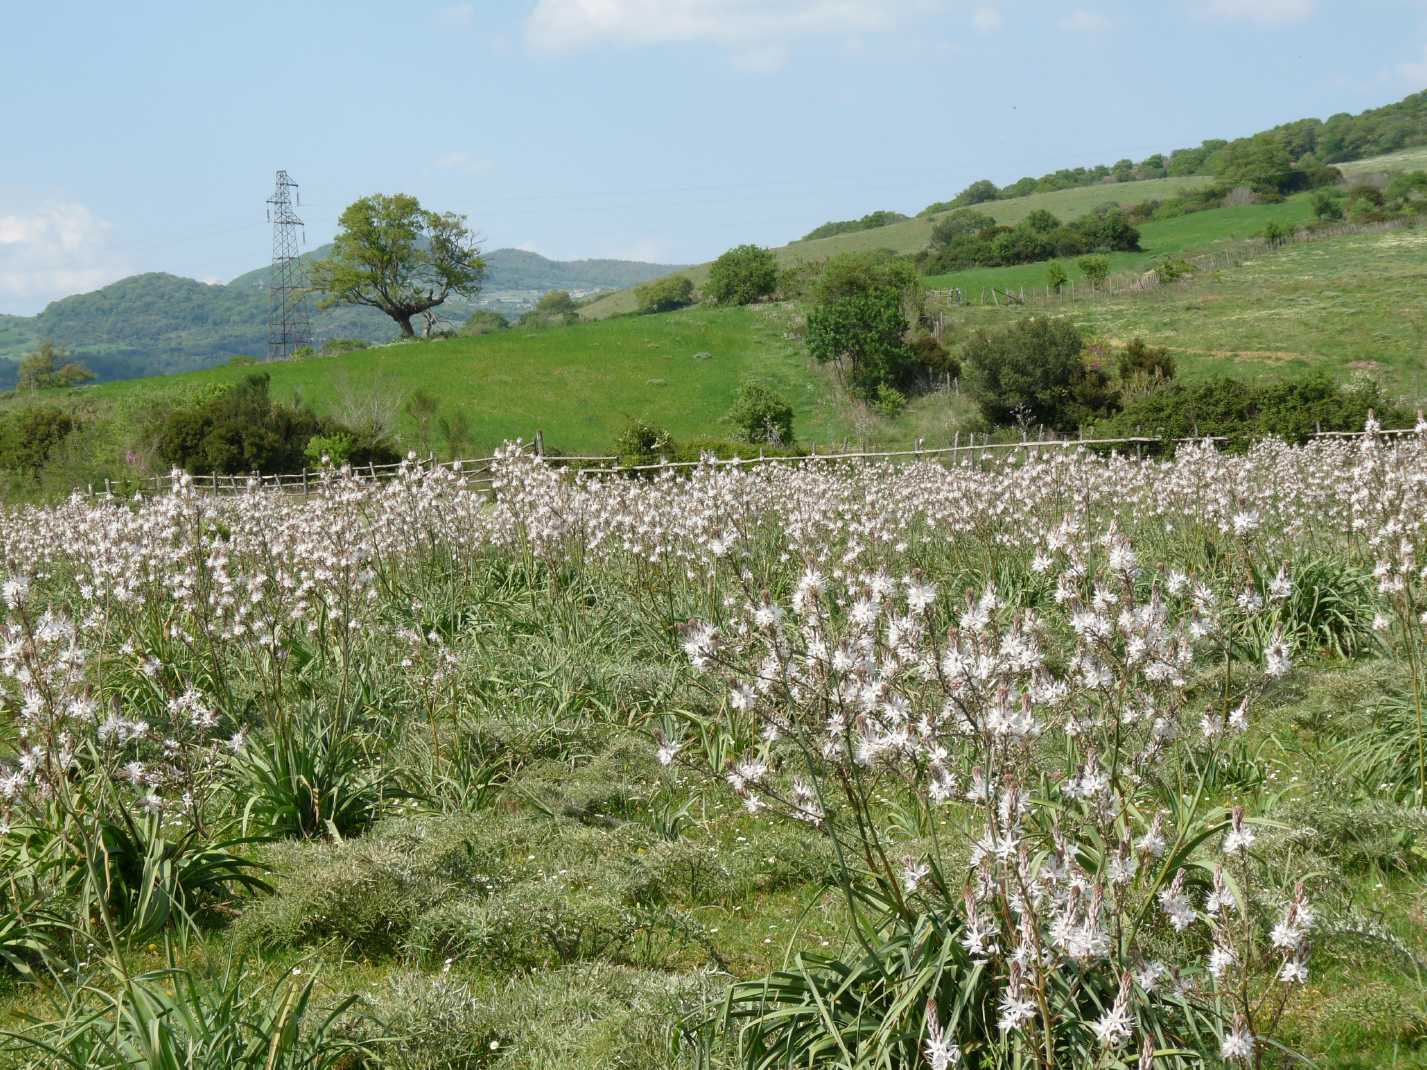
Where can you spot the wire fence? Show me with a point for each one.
(478, 472)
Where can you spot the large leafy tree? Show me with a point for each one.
(396, 256)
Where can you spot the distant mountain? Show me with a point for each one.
(158, 324)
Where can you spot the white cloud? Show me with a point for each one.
(761, 25)
(1082, 21)
(987, 19)
(457, 16)
(1414, 72)
(463, 162)
(1264, 12)
(52, 251)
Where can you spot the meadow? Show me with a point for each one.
(1348, 306)
(913, 235)
(1074, 760)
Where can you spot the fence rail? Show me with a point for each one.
(477, 469)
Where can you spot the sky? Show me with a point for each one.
(144, 135)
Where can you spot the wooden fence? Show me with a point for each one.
(477, 470)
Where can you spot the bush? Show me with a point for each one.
(889, 401)
(335, 347)
(241, 429)
(1278, 234)
(1242, 412)
(1094, 268)
(484, 321)
(556, 308)
(870, 221)
(642, 442)
(1140, 361)
(744, 274)
(1032, 373)
(1327, 206)
(665, 295)
(761, 416)
(29, 435)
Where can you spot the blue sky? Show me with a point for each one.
(143, 135)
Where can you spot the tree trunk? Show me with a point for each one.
(404, 322)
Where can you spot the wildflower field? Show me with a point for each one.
(1063, 760)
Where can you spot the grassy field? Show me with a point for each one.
(1196, 232)
(913, 235)
(1350, 305)
(578, 385)
(1407, 160)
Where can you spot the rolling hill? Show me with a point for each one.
(158, 324)
(912, 235)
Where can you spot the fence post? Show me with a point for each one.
(539, 443)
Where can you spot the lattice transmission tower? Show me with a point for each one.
(289, 321)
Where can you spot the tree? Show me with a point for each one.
(555, 308)
(1260, 162)
(1031, 372)
(665, 295)
(1094, 268)
(393, 255)
(744, 274)
(48, 367)
(864, 335)
(762, 416)
(978, 192)
(1056, 275)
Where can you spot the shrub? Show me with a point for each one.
(642, 442)
(665, 295)
(870, 221)
(1032, 373)
(28, 436)
(1056, 275)
(335, 347)
(889, 401)
(1327, 205)
(744, 274)
(1278, 234)
(1094, 268)
(1143, 362)
(556, 308)
(484, 321)
(241, 429)
(1242, 412)
(761, 416)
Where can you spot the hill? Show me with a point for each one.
(912, 235)
(159, 324)
(1334, 304)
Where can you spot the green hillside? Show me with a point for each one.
(159, 324)
(913, 235)
(1196, 232)
(1348, 305)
